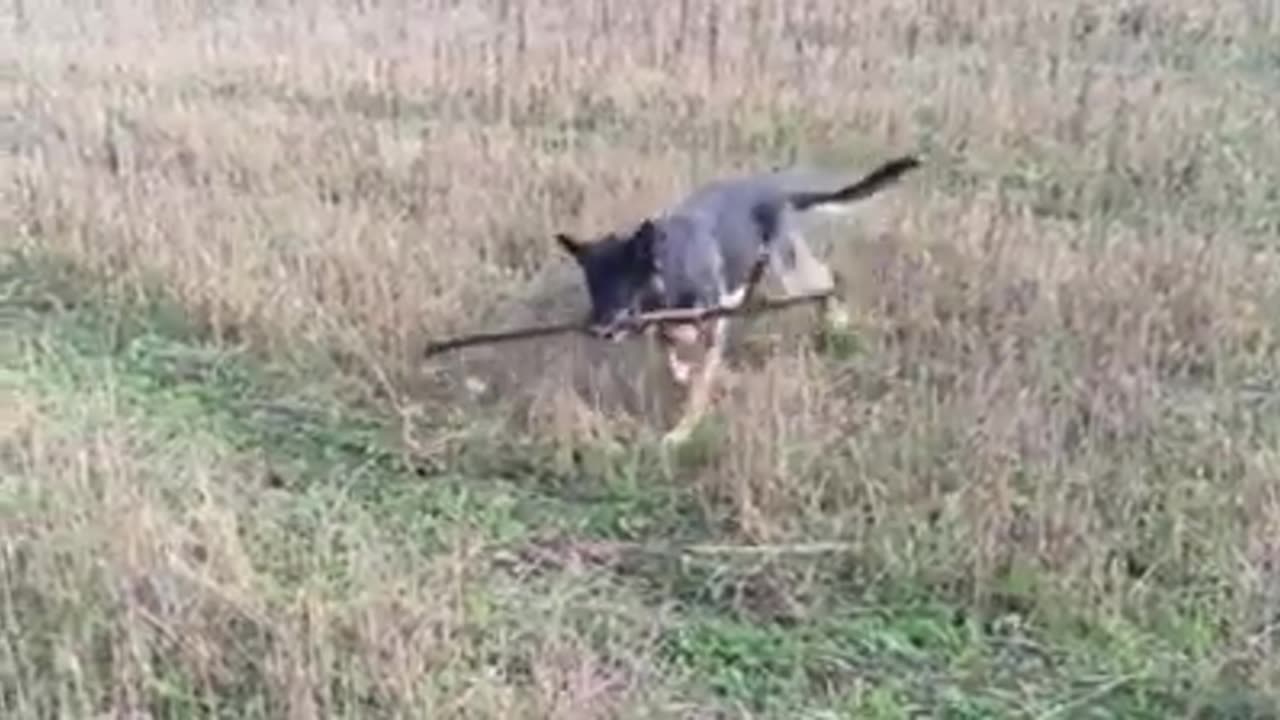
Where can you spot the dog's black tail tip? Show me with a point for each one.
(885, 174)
(902, 164)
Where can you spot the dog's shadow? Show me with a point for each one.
(567, 382)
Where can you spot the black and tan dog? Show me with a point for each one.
(702, 254)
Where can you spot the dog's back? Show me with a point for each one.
(703, 250)
(712, 239)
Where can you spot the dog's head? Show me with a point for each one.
(619, 270)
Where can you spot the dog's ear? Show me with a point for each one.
(644, 243)
(571, 245)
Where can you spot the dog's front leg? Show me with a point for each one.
(675, 338)
(701, 385)
(680, 370)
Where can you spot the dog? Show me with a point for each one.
(707, 252)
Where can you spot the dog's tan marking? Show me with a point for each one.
(808, 274)
(702, 384)
(678, 338)
(735, 298)
(679, 369)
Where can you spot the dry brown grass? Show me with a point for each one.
(1066, 331)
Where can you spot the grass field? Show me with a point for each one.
(1038, 477)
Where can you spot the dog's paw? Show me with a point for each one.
(693, 444)
(682, 432)
(677, 435)
(680, 372)
(835, 317)
(837, 335)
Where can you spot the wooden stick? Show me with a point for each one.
(499, 336)
(639, 322)
(690, 315)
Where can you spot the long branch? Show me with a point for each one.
(637, 323)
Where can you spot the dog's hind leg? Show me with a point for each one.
(800, 272)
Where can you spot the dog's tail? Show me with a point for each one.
(874, 182)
